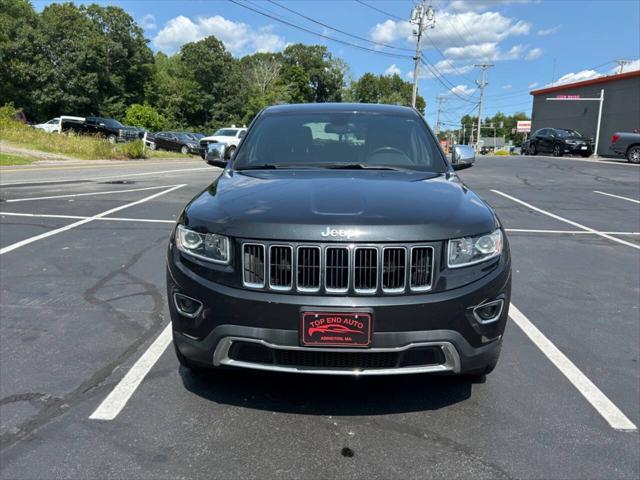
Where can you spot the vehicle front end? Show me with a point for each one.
(342, 269)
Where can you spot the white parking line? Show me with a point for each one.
(127, 175)
(120, 395)
(565, 232)
(73, 195)
(617, 196)
(589, 391)
(76, 217)
(570, 222)
(50, 233)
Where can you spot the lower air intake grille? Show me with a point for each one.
(301, 358)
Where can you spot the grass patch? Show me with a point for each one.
(14, 160)
(83, 147)
(502, 152)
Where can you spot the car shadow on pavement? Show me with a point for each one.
(328, 395)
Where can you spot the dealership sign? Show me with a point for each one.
(523, 126)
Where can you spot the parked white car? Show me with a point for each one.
(231, 136)
(54, 125)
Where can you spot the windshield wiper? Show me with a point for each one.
(360, 166)
(264, 166)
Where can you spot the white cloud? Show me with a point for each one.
(548, 31)
(507, 87)
(485, 51)
(238, 37)
(577, 77)
(455, 29)
(148, 22)
(462, 90)
(533, 54)
(392, 70)
(479, 5)
(532, 85)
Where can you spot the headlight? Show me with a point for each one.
(471, 250)
(207, 246)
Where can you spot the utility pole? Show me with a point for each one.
(481, 84)
(424, 18)
(440, 99)
(622, 63)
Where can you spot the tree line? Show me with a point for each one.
(94, 60)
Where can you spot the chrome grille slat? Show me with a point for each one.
(280, 267)
(338, 269)
(309, 277)
(421, 268)
(365, 270)
(253, 265)
(393, 269)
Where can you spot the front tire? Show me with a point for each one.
(557, 150)
(112, 138)
(153, 146)
(633, 154)
(230, 152)
(184, 150)
(532, 149)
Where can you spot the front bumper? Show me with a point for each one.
(441, 324)
(578, 149)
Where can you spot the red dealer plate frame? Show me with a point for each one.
(336, 329)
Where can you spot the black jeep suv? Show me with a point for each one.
(339, 240)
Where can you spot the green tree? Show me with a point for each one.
(313, 74)
(144, 116)
(390, 89)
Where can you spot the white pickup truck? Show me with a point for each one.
(55, 124)
(230, 135)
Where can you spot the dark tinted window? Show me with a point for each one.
(321, 139)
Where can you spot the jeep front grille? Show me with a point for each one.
(337, 269)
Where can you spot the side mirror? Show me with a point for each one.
(216, 154)
(462, 156)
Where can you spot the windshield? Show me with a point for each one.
(185, 137)
(110, 122)
(226, 132)
(330, 140)
(565, 132)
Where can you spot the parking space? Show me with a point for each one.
(82, 300)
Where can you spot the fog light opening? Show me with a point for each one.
(488, 312)
(187, 306)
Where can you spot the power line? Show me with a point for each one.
(357, 37)
(448, 87)
(381, 11)
(299, 27)
(482, 84)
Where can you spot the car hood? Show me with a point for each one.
(372, 205)
(217, 138)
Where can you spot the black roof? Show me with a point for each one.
(340, 108)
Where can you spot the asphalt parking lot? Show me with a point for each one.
(82, 305)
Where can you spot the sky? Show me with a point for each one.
(532, 43)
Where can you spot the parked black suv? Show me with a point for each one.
(559, 141)
(108, 128)
(346, 246)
